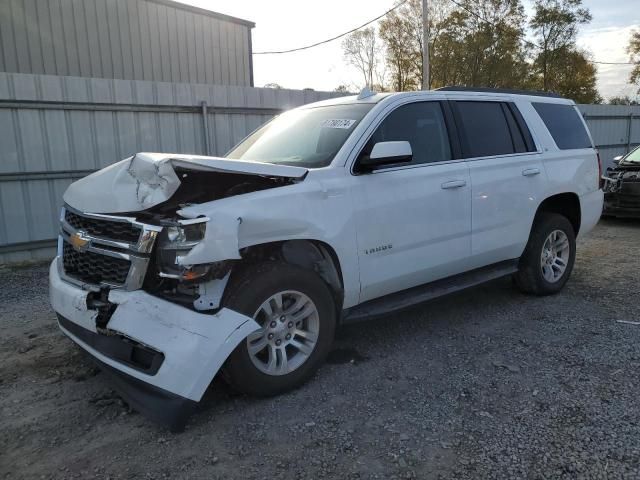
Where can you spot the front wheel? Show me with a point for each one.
(296, 312)
(547, 261)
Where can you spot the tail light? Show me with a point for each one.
(600, 179)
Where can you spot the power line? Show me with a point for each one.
(332, 38)
(480, 17)
(528, 42)
(611, 63)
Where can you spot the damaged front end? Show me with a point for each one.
(139, 286)
(622, 191)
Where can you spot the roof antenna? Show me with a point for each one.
(365, 93)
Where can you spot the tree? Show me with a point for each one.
(275, 86)
(463, 48)
(400, 51)
(633, 49)
(555, 25)
(401, 32)
(361, 50)
(483, 48)
(576, 78)
(626, 100)
(342, 88)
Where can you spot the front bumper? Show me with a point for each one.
(168, 354)
(617, 207)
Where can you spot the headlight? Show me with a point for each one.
(177, 241)
(185, 235)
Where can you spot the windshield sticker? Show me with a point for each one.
(338, 123)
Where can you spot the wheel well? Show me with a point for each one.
(565, 204)
(311, 254)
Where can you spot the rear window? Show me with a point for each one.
(490, 128)
(564, 125)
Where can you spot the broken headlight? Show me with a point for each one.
(177, 241)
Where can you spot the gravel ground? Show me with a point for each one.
(486, 383)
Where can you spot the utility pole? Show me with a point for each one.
(425, 45)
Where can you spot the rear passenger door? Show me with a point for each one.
(507, 177)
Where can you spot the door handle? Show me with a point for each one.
(529, 172)
(453, 184)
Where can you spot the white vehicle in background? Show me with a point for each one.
(172, 267)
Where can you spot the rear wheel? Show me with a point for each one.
(296, 312)
(547, 262)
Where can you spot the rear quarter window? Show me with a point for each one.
(564, 125)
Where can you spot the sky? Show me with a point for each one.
(284, 24)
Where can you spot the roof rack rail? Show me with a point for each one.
(536, 93)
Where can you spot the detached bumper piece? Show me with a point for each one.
(160, 356)
(155, 403)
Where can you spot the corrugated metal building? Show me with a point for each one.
(157, 40)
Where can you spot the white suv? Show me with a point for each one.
(171, 267)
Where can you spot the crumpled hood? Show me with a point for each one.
(148, 179)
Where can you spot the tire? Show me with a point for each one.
(532, 277)
(252, 372)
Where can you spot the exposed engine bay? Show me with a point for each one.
(622, 190)
(189, 242)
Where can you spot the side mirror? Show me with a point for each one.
(617, 159)
(387, 153)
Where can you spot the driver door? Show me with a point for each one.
(413, 219)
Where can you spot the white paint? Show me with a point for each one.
(391, 229)
(69, 301)
(195, 345)
(390, 150)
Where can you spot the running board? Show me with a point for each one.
(429, 291)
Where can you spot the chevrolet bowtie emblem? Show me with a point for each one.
(80, 241)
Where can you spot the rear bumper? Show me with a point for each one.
(161, 356)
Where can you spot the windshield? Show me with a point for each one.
(633, 156)
(305, 138)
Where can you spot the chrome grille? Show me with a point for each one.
(104, 250)
(94, 268)
(119, 231)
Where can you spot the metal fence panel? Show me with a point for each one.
(615, 129)
(56, 129)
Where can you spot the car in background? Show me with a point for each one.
(622, 186)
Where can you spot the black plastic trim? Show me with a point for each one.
(156, 404)
(524, 128)
(535, 93)
(134, 355)
(395, 302)
(452, 130)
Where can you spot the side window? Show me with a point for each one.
(421, 124)
(485, 129)
(564, 124)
